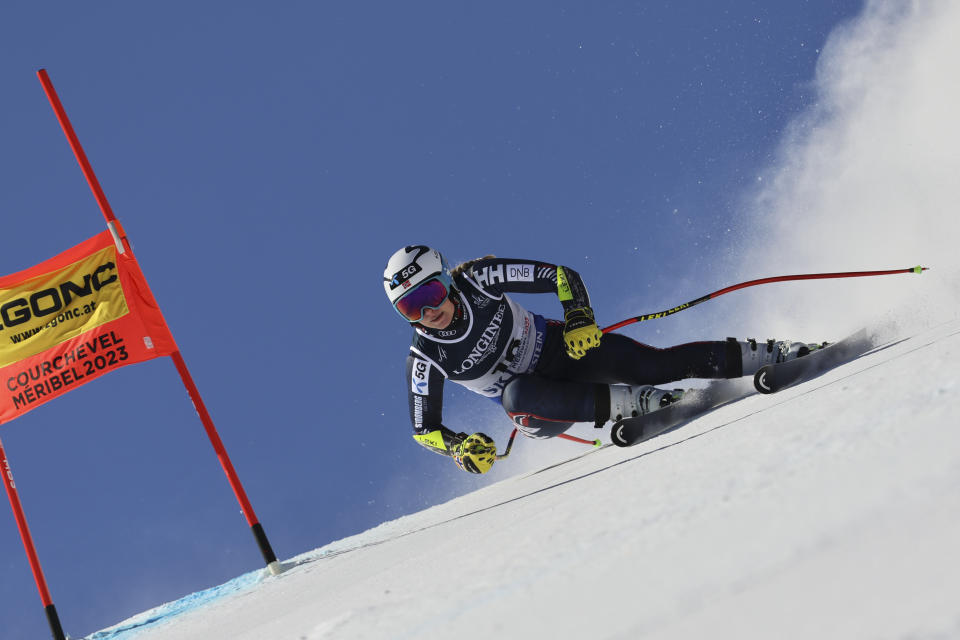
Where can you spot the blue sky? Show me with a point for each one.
(265, 160)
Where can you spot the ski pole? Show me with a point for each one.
(751, 283)
(506, 452)
(595, 443)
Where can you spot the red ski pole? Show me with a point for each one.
(751, 283)
(513, 435)
(595, 443)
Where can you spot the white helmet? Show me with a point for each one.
(412, 266)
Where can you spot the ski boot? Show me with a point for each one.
(630, 402)
(754, 355)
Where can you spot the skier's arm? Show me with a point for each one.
(473, 453)
(425, 392)
(580, 332)
(510, 275)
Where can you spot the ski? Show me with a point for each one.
(774, 377)
(769, 379)
(695, 402)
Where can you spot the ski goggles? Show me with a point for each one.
(429, 295)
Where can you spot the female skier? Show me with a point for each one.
(547, 374)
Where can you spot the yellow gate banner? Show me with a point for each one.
(71, 319)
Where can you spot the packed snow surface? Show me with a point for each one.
(829, 510)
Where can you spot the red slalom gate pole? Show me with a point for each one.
(75, 145)
(32, 557)
(124, 245)
(753, 283)
(269, 557)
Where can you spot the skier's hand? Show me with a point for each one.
(476, 454)
(580, 332)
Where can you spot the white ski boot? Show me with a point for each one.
(630, 402)
(757, 354)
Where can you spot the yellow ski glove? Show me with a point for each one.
(580, 332)
(476, 454)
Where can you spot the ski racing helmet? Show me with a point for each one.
(417, 278)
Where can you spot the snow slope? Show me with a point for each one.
(830, 510)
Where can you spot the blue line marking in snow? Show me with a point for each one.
(128, 629)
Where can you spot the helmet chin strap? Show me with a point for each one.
(458, 309)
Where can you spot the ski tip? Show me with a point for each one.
(919, 269)
(761, 380)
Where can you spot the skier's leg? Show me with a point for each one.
(624, 360)
(619, 359)
(544, 408)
